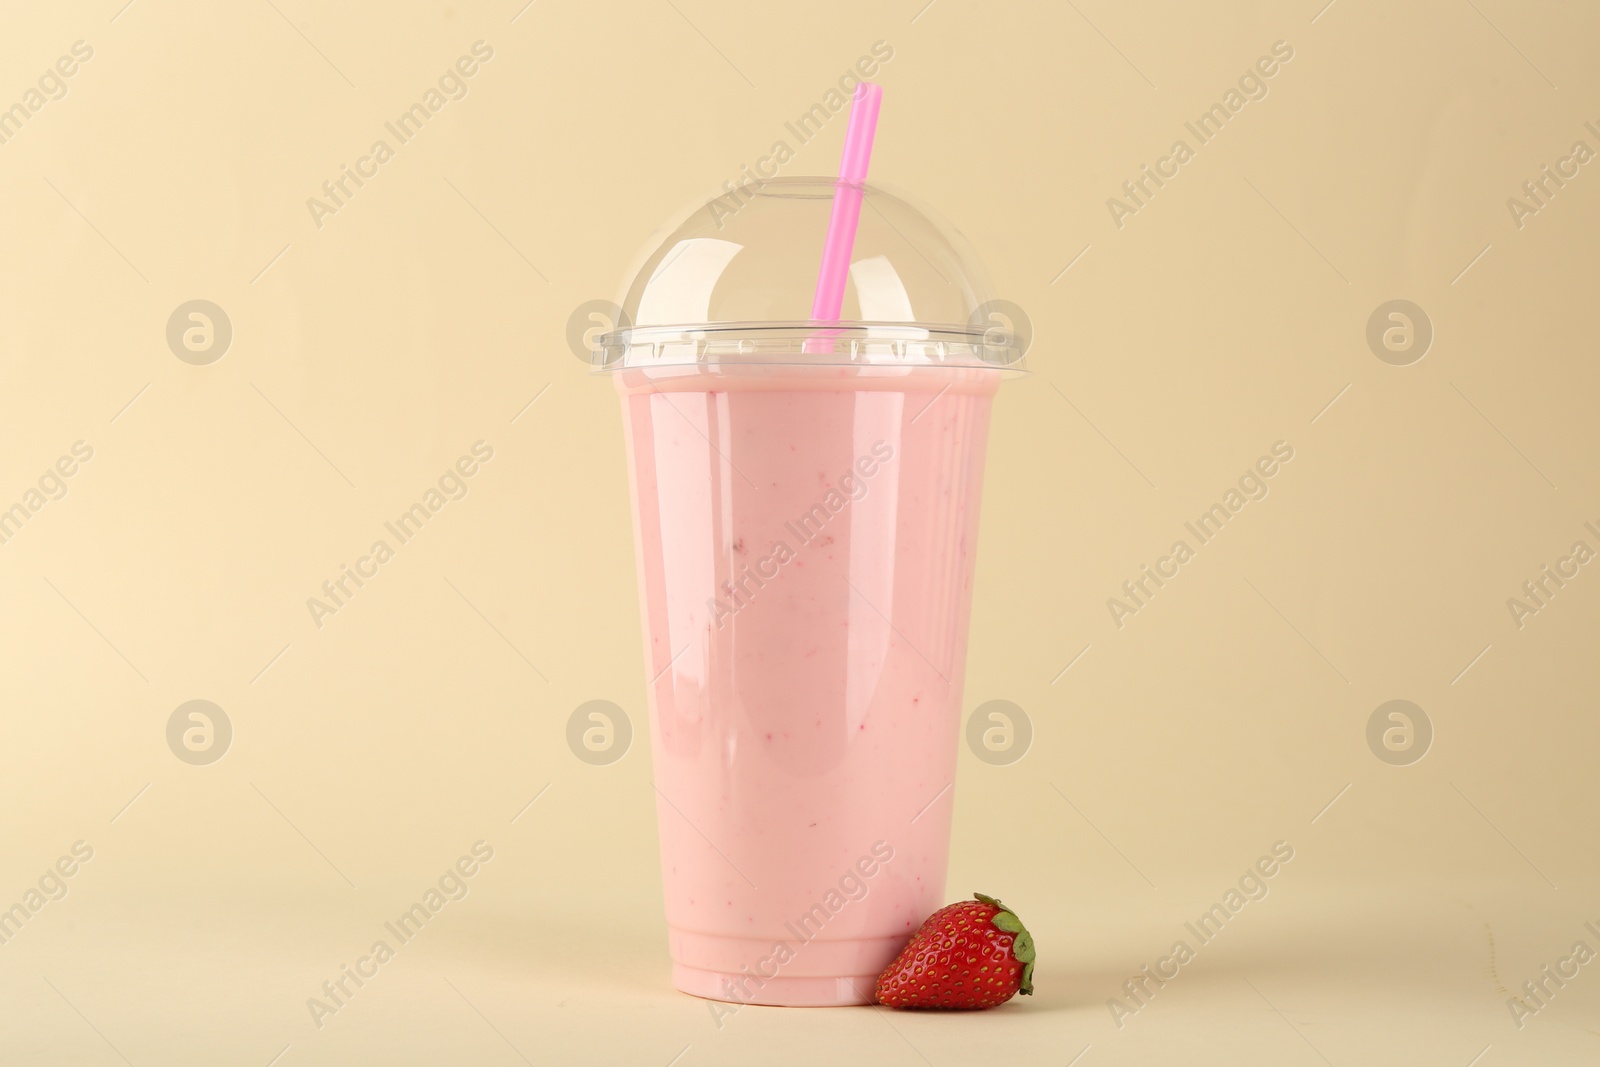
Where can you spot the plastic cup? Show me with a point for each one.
(805, 519)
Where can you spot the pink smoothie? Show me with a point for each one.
(805, 541)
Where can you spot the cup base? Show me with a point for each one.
(782, 992)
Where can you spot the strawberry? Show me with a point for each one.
(975, 954)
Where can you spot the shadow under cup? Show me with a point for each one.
(805, 539)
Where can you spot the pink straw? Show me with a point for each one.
(841, 238)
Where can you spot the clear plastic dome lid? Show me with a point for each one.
(735, 284)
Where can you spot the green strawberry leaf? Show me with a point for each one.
(1027, 979)
(988, 899)
(1008, 921)
(1022, 948)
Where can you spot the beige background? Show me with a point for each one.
(1227, 314)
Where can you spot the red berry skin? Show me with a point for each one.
(957, 960)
